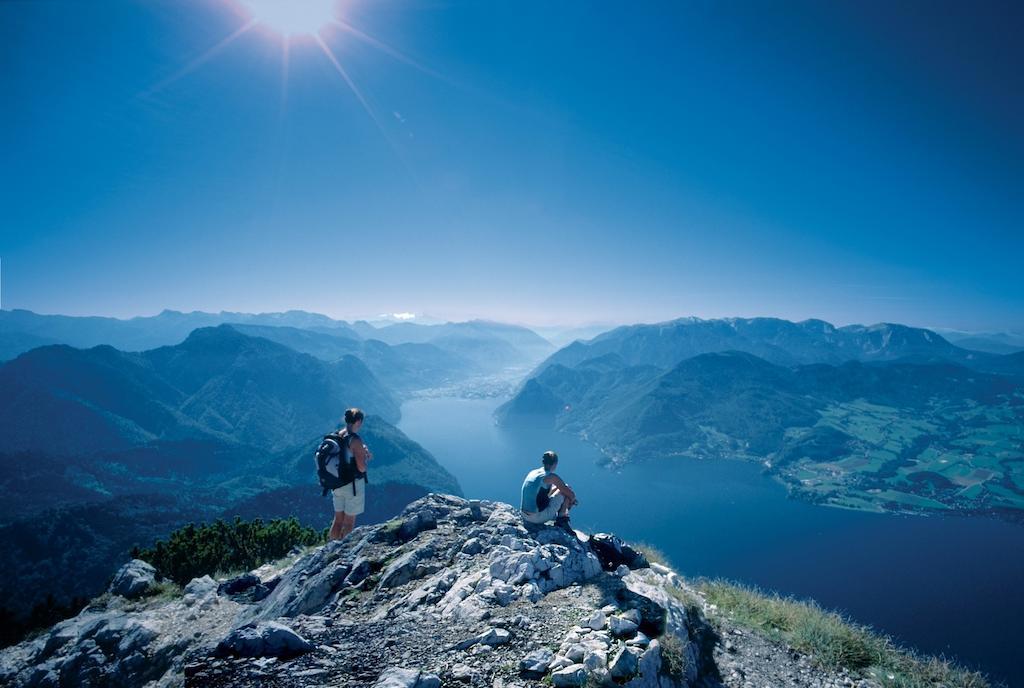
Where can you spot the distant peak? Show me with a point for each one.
(817, 324)
(224, 331)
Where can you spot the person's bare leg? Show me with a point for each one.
(337, 526)
(569, 503)
(349, 522)
(564, 509)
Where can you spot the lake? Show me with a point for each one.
(944, 585)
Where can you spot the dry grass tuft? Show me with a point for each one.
(834, 641)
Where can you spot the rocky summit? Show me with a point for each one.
(451, 593)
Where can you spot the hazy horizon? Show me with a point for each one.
(382, 319)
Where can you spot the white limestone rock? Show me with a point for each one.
(596, 621)
(537, 662)
(625, 665)
(133, 580)
(572, 676)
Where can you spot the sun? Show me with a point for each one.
(291, 17)
(292, 20)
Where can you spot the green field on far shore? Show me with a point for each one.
(947, 458)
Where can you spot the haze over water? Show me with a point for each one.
(945, 585)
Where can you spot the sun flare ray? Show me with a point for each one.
(387, 49)
(303, 21)
(285, 57)
(348, 80)
(362, 100)
(201, 60)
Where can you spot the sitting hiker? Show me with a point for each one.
(341, 460)
(546, 496)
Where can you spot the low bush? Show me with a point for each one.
(673, 656)
(225, 546)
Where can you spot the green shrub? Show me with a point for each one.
(194, 550)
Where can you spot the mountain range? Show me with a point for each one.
(216, 385)
(778, 341)
(198, 415)
(142, 332)
(488, 346)
(991, 342)
(106, 447)
(867, 417)
(403, 367)
(119, 446)
(427, 355)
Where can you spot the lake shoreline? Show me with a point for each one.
(900, 573)
(621, 462)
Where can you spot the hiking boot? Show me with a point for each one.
(563, 523)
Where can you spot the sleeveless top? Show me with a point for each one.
(532, 485)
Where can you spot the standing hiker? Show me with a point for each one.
(341, 467)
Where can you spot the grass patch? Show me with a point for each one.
(653, 554)
(834, 641)
(164, 590)
(673, 656)
(228, 574)
(692, 605)
(370, 582)
(350, 592)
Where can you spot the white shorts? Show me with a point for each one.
(344, 500)
(548, 514)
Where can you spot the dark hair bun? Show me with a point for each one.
(353, 415)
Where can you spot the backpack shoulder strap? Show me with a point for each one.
(333, 437)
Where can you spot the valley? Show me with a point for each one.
(889, 420)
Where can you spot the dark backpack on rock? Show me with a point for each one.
(336, 445)
(611, 551)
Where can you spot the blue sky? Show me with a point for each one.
(563, 162)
